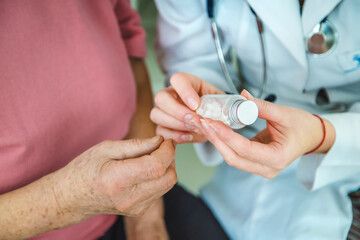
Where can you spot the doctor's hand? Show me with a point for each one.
(290, 133)
(175, 108)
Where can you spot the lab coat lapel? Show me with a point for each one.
(316, 10)
(283, 19)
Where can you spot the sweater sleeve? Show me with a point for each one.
(131, 30)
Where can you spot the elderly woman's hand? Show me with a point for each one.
(290, 133)
(117, 177)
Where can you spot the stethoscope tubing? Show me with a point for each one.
(221, 58)
(220, 53)
(330, 34)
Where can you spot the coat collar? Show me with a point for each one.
(283, 19)
(288, 25)
(316, 10)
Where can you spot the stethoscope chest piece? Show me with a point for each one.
(321, 39)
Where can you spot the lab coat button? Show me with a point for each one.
(322, 97)
(270, 98)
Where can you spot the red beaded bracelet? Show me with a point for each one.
(323, 139)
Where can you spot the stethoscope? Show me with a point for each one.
(321, 40)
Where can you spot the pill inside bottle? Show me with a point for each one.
(233, 110)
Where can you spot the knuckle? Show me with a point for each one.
(156, 170)
(279, 164)
(105, 143)
(226, 137)
(153, 114)
(138, 212)
(167, 133)
(176, 77)
(132, 206)
(172, 152)
(264, 105)
(169, 180)
(160, 131)
(135, 142)
(246, 144)
(172, 178)
(126, 208)
(227, 134)
(159, 96)
(176, 136)
(101, 147)
(270, 174)
(106, 186)
(231, 162)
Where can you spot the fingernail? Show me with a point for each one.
(188, 117)
(192, 103)
(187, 137)
(214, 128)
(188, 126)
(246, 91)
(204, 123)
(156, 139)
(197, 131)
(195, 124)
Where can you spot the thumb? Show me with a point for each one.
(267, 110)
(132, 148)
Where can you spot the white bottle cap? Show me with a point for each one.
(247, 112)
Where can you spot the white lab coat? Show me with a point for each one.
(308, 200)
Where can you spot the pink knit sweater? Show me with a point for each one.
(65, 85)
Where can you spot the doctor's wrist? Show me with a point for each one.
(329, 139)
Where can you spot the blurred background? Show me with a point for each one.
(191, 173)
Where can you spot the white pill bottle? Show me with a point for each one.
(233, 110)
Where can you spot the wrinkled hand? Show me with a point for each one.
(117, 177)
(175, 107)
(290, 133)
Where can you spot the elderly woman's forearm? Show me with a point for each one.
(33, 209)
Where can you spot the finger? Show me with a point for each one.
(230, 156)
(189, 87)
(131, 148)
(165, 154)
(180, 136)
(151, 166)
(150, 191)
(163, 184)
(267, 110)
(163, 119)
(168, 103)
(251, 150)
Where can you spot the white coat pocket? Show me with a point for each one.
(350, 63)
